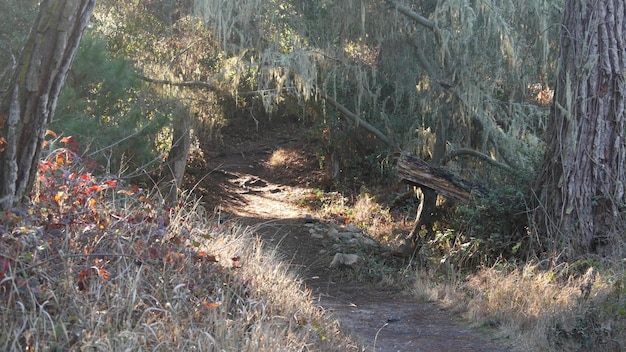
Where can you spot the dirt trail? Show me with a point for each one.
(381, 319)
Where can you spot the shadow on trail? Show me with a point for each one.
(244, 185)
(382, 318)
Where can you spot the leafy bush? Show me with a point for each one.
(105, 108)
(495, 226)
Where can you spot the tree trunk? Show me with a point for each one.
(425, 216)
(31, 100)
(172, 176)
(581, 184)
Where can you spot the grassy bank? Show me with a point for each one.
(94, 266)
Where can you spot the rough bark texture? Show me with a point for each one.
(31, 100)
(581, 184)
(417, 172)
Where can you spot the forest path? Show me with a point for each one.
(247, 182)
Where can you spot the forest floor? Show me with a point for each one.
(262, 179)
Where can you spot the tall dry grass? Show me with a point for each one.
(175, 280)
(566, 307)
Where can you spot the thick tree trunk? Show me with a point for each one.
(31, 100)
(581, 184)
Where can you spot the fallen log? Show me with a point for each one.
(417, 172)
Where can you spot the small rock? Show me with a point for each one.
(345, 235)
(308, 219)
(344, 259)
(368, 242)
(333, 233)
(352, 228)
(317, 235)
(353, 242)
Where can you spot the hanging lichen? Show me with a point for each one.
(403, 67)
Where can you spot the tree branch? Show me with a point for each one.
(416, 171)
(373, 130)
(464, 151)
(210, 84)
(405, 10)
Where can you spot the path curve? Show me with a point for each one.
(380, 319)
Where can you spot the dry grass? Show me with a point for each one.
(567, 308)
(364, 212)
(145, 284)
(282, 158)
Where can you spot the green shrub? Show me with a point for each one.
(106, 109)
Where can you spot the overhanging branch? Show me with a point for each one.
(405, 10)
(210, 84)
(464, 151)
(373, 130)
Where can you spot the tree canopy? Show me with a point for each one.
(475, 67)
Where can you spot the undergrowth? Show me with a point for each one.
(578, 306)
(478, 268)
(92, 264)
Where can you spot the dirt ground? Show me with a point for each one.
(239, 178)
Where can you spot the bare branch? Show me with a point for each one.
(419, 19)
(464, 151)
(416, 171)
(373, 130)
(210, 84)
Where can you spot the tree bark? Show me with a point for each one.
(417, 172)
(581, 185)
(31, 100)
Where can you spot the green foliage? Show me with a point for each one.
(106, 109)
(496, 226)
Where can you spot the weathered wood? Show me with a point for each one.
(416, 171)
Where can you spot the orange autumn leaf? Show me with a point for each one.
(68, 139)
(211, 305)
(209, 257)
(59, 196)
(125, 192)
(95, 188)
(103, 273)
(3, 144)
